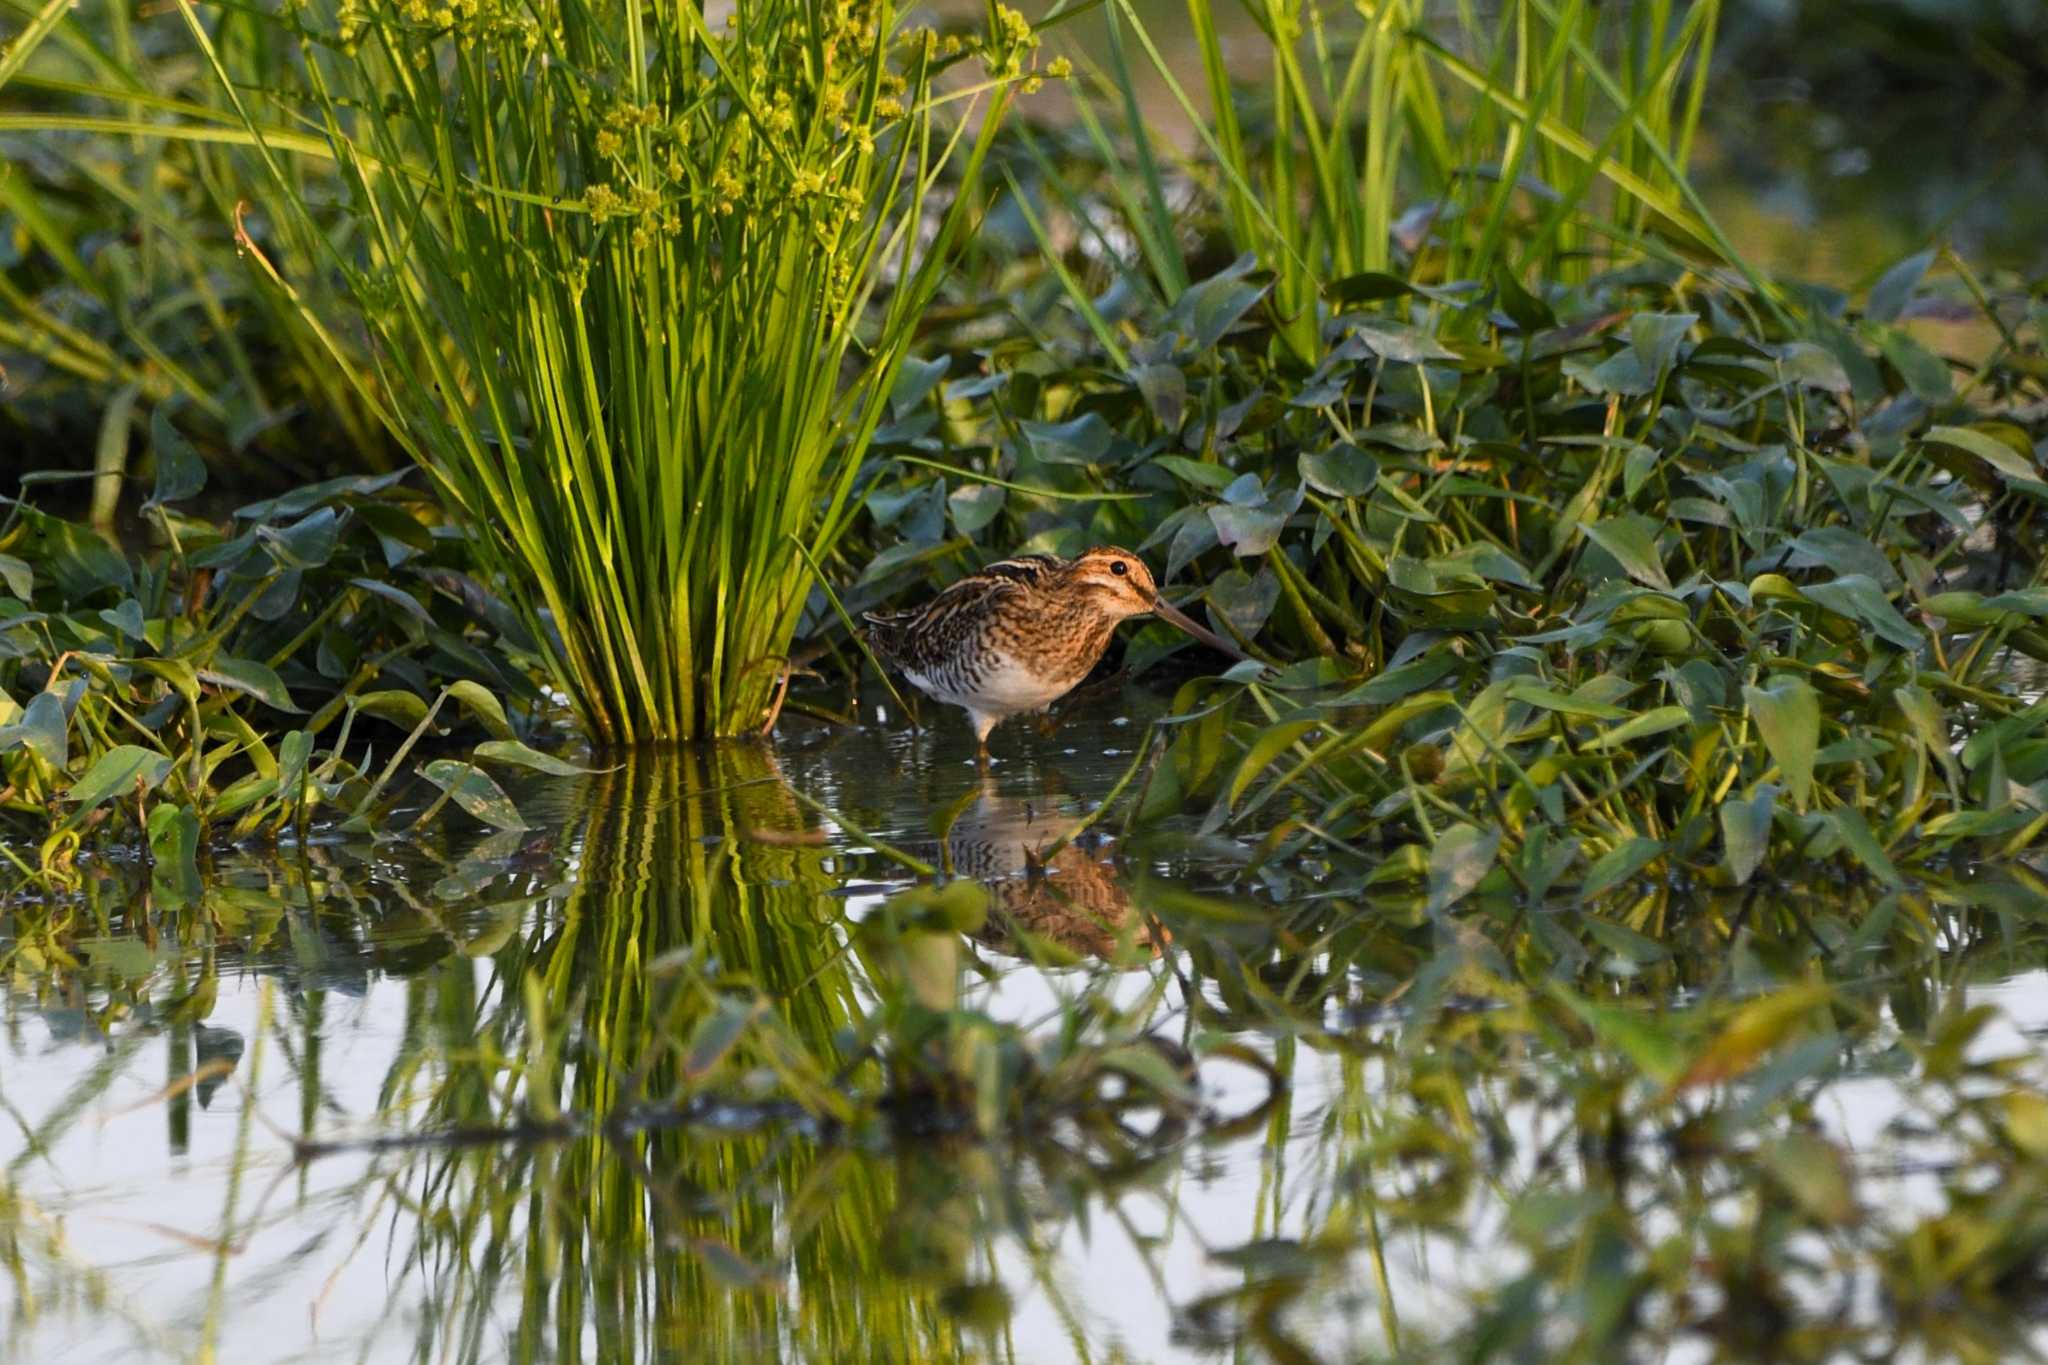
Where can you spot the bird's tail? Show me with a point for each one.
(884, 634)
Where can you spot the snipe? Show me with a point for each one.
(1021, 633)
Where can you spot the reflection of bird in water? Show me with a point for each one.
(1073, 898)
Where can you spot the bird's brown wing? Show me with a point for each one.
(924, 637)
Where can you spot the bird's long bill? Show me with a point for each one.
(1200, 632)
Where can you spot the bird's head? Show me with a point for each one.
(1119, 585)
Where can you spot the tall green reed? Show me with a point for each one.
(637, 291)
(1532, 139)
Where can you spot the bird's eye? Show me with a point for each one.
(1119, 568)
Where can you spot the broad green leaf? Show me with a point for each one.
(1656, 337)
(403, 709)
(397, 596)
(1654, 722)
(1787, 715)
(512, 751)
(718, 1033)
(1619, 864)
(473, 790)
(1814, 1172)
(1632, 540)
(483, 704)
(1746, 831)
(1248, 531)
(1925, 373)
(973, 506)
(180, 472)
(1342, 471)
(307, 543)
(120, 771)
(258, 680)
(1579, 708)
(1084, 440)
(1987, 448)
(1270, 744)
(174, 848)
(1207, 310)
(1858, 838)
(18, 578)
(1462, 857)
(1859, 598)
(1650, 1043)
(41, 730)
(1753, 1030)
(1888, 297)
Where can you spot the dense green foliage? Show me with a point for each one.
(210, 690)
(1642, 750)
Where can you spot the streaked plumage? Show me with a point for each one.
(1019, 634)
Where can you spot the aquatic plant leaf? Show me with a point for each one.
(17, 577)
(512, 751)
(1619, 864)
(973, 506)
(1746, 831)
(1458, 862)
(1207, 310)
(1656, 337)
(1893, 288)
(1858, 597)
(41, 730)
(120, 771)
(1926, 374)
(915, 380)
(1082, 441)
(1814, 1172)
(1342, 471)
(1536, 694)
(1653, 722)
(1244, 600)
(308, 543)
(1988, 448)
(2026, 1122)
(1165, 391)
(472, 789)
(1195, 536)
(258, 680)
(718, 1033)
(1753, 1030)
(1787, 714)
(180, 472)
(76, 562)
(1812, 366)
(1398, 341)
(483, 705)
(1246, 490)
(1632, 540)
(397, 596)
(1248, 531)
(301, 500)
(174, 852)
(1201, 473)
(404, 709)
(1858, 838)
(1271, 743)
(1651, 1044)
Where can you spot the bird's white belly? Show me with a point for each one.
(1003, 688)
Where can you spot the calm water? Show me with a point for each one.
(349, 991)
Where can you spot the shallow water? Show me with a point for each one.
(341, 992)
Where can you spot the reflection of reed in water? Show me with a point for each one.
(1074, 898)
(647, 989)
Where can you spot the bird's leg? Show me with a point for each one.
(982, 725)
